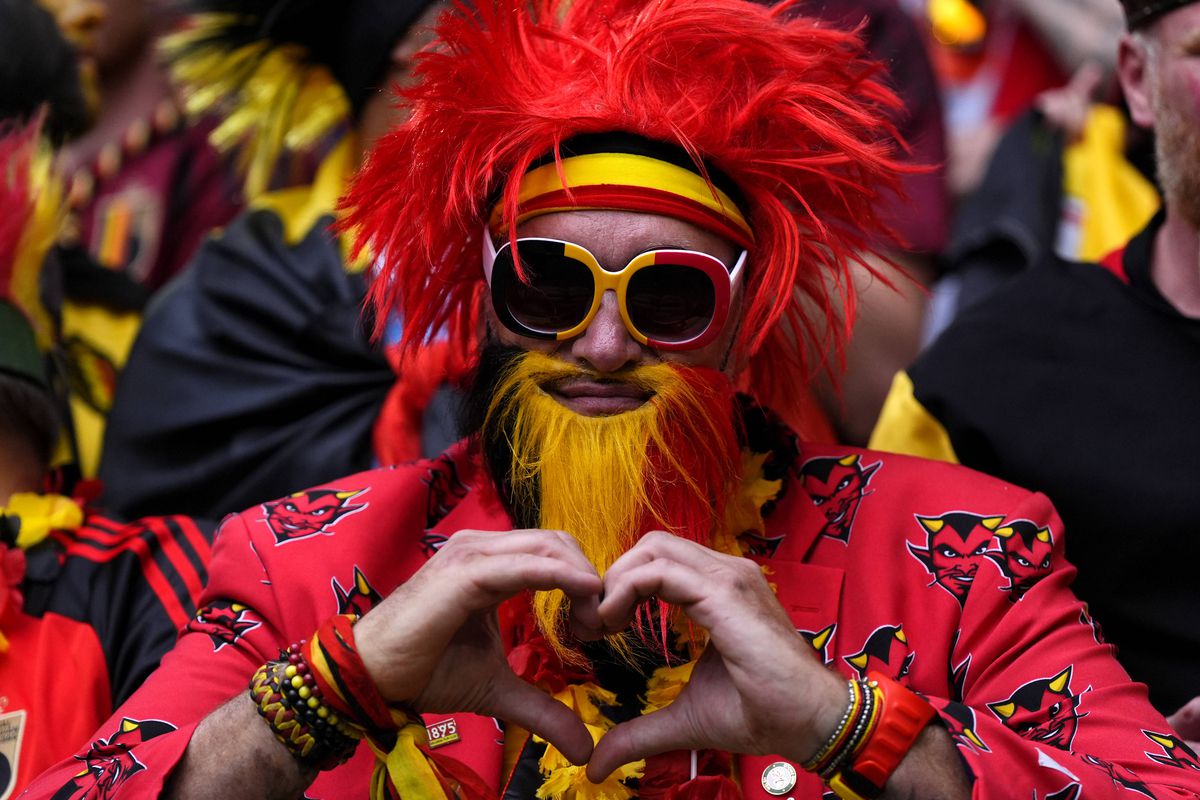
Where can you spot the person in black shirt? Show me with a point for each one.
(1079, 380)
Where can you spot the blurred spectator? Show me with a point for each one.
(1079, 186)
(1079, 380)
(887, 328)
(145, 188)
(993, 57)
(253, 375)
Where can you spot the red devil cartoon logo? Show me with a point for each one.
(960, 723)
(820, 641)
(1120, 776)
(108, 763)
(225, 622)
(360, 598)
(1024, 556)
(445, 490)
(957, 544)
(1175, 751)
(1044, 710)
(837, 487)
(887, 652)
(309, 513)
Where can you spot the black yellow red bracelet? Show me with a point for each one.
(287, 698)
(858, 733)
(901, 717)
(852, 731)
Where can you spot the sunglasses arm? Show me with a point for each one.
(734, 274)
(489, 255)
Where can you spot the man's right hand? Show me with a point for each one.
(434, 643)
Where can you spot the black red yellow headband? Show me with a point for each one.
(618, 179)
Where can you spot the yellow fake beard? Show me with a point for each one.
(671, 464)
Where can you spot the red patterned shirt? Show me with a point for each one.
(951, 581)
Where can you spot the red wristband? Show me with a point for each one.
(342, 677)
(903, 716)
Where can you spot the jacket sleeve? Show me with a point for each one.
(233, 633)
(157, 582)
(1042, 708)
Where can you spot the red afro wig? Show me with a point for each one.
(790, 111)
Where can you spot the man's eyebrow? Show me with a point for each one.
(651, 249)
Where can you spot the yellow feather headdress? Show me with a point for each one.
(282, 76)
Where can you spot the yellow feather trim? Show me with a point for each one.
(564, 780)
(665, 685)
(745, 511)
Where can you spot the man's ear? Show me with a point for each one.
(1134, 72)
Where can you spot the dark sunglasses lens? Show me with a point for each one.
(670, 302)
(557, 293)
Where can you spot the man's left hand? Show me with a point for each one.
(757, 688)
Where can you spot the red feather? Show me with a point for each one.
(789, 110)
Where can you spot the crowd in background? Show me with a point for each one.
(165, 245)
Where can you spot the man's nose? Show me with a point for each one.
(606, 345)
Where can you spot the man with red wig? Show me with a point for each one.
(624, 581)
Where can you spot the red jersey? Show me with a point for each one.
(102, 604)
(952, 582)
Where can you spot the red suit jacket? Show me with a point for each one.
(951, 581)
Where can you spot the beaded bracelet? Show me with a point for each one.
(901, 718)
(287, 699)
(821, 757)
(860, 733)
(314, 704)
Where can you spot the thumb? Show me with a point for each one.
(660, 732)
(537, 712)
(1087, 79)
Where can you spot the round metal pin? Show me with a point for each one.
(779, 778)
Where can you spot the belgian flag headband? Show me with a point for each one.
(623, 172)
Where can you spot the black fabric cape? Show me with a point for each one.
(1071, 382)
(252, 377)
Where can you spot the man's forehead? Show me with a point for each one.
(1145, 13)
(615, 237)
(1178, 28)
